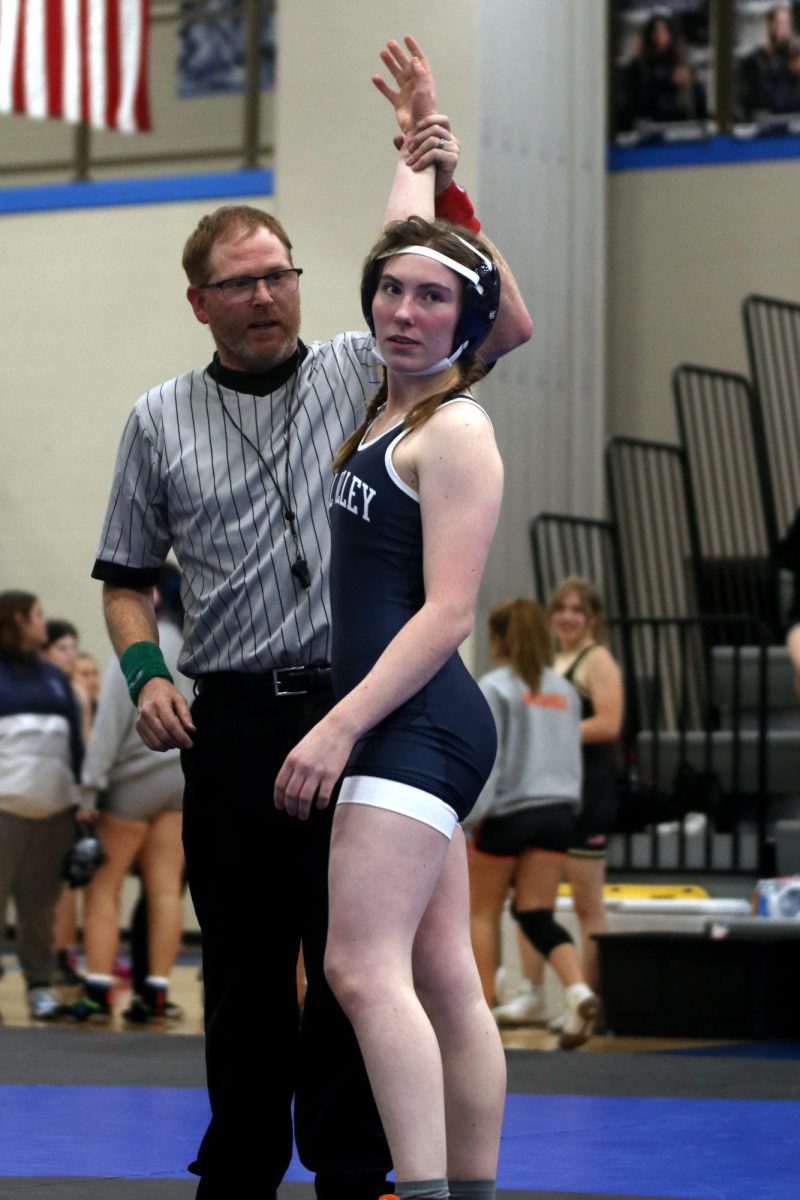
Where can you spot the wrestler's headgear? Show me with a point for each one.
(480, 300)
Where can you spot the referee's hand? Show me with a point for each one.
(164, 721)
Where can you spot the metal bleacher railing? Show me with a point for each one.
(772, 334)
(563, 545)
(688, 561)
(728, 485)
(709, 774)
(650, 505)
(695, 783)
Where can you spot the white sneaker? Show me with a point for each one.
(557, 1023)
(524, 1009)
(692, 825)
(582, 1009)
(43, 1004)
(501, 985)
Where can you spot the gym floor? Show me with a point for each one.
(113, 1113)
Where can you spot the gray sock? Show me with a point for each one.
(422, 1189)
(472, 1189)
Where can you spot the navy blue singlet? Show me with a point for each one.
(443, 739)
(597, 816)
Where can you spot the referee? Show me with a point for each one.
(228, 466)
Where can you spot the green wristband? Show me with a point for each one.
(140, 662)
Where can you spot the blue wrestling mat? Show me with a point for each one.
(645, 1146)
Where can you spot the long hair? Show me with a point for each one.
(469, 368)
(525, 639)
(589, 596)
(12, 605)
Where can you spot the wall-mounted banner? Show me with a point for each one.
(211, 50)
(663, 73)
(766, 69)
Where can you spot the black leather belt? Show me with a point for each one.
(284, 681)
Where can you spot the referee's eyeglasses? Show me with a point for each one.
(240, 289)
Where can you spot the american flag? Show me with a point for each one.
(78, 60)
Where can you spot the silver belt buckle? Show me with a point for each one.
(281, 689)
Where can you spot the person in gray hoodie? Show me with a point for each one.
(523, 819)
(139, 819)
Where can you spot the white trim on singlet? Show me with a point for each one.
(367, 441)
(391, 470)
(377, 792)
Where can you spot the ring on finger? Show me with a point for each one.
(440, 144)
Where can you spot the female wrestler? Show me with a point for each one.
(576, 618)
(414, 506)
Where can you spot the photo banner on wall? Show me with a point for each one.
(766, 69)
(211, 48)
(663, 75)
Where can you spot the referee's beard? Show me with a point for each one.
(259, 339)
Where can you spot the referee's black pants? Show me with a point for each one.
(258, 880)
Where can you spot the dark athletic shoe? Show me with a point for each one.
(92, 1007)
(152, 1007)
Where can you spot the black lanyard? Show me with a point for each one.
(299, 567)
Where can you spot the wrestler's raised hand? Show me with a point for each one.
(415, 95)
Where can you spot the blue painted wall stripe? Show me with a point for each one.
(260, 181)
(158, 189)
(718, 151)
(220, 185)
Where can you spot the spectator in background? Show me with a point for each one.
(525, 814)
(658, 83)
(61, 649)
(576, 619)
(793, 646)
(140, 819)
(86, 679)
(40, 758)
(61, 646)
(769, 77)
(787, 558)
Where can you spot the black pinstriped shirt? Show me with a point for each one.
(188, 479)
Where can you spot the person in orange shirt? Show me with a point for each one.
(524, 819)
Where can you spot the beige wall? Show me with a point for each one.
(685, 247)
(334, 153)
(92, 313)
